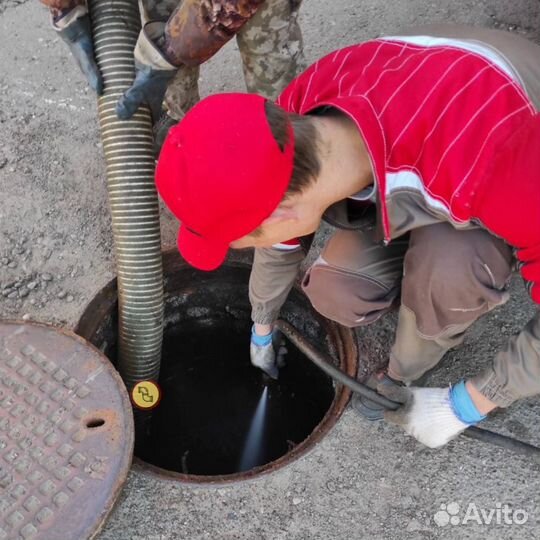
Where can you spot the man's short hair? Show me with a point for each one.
(306, 165)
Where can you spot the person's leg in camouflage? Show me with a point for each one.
(272, 54)
(182, 93)
(272, 48)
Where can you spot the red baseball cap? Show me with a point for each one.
(222, 173)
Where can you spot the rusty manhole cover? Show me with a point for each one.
(66, 434)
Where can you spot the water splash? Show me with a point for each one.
(252, 454)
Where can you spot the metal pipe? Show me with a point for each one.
(324, 362)
(129, 156)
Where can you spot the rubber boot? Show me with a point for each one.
(367, 408)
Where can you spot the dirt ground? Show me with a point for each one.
(56, 251)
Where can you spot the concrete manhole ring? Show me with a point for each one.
(66, 434)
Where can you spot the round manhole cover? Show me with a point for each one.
(66, 434)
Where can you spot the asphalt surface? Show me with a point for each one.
(363, 480)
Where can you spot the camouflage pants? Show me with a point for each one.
(270, 45)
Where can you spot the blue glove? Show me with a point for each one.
(78, 36)
(267, 352)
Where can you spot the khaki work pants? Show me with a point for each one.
(447, 279)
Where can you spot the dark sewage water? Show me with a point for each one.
(210, 393)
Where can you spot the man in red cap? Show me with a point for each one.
(422, 150)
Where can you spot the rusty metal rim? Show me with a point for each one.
(342, 338)
(126, 407)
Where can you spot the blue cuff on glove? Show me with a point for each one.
(463, 405)
(260, 341)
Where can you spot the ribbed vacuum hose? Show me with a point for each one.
(129, 155)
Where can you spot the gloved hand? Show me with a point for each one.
(153, 72)
(268, 352)
(433, 416)
(73, 26)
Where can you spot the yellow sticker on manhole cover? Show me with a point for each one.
(146, 395)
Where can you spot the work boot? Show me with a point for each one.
(371, 410)
(367, 408)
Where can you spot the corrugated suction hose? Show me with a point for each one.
(129, 155)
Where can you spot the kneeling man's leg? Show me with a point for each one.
(450, 279)
(355, 280)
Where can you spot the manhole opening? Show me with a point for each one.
(209, 390)
(210, 393)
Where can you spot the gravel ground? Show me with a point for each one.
(363, 480)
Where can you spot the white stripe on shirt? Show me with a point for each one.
(409, 179)
(286, 247)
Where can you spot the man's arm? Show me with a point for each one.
(506, 204)
(434, 416)
(509, 206)
(272, 277)
(195, 31)
(59, 5)
(515, 371)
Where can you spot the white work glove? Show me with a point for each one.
(433, 416)
(267, 352)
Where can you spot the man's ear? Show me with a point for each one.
(280, 214)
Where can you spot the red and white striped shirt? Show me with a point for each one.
(445, 118)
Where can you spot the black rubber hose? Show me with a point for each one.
(490, 437)
(324, 362)
(129, 155)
